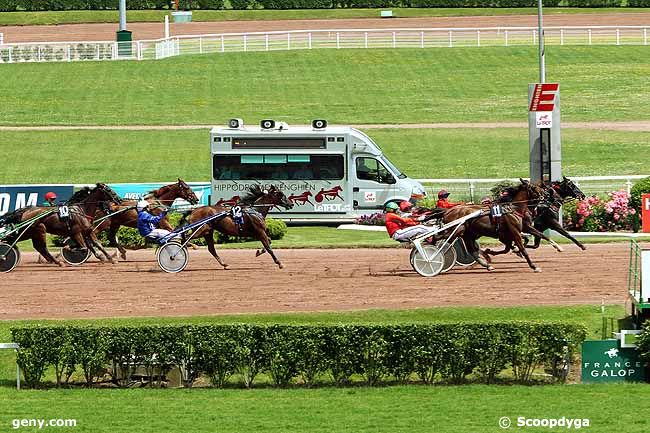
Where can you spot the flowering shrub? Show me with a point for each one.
(375, 219)
(594, 214)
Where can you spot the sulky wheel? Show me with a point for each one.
(172, 257)
(75, 256)
(428, 266)
(463, 257)
(449, 256)
(8, 257)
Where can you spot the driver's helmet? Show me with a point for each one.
(443, 193)
(405, 205)
(50, 196)
(142, 205)
(391, 206)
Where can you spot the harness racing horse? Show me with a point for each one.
(506, 224)
(255, 206)
(73, 221)
(126, 214)
(547, 212)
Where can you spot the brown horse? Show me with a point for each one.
(255, 206)
(126, 214)
(73, 220)
(507, 227)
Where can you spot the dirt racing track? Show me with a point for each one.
(313, 280)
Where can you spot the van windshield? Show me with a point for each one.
(392, 167)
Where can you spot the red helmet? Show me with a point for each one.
(443, 193)
(405, 205)
(50, 196)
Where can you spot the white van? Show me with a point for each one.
(330, 174)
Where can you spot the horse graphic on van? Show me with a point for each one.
(329, 194)
(301, 198)
(231, 202)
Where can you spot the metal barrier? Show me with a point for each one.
(322, 39)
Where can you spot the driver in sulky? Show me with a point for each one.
(402, 229)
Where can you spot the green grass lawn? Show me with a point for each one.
(89, 156)
(344, 86)
(456, 409)
(74, 17)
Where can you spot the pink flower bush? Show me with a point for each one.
(595, 214)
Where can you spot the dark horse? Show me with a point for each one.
(127, 215)
(255, 206)
(546, 215)
(507, 228)
(77, 225)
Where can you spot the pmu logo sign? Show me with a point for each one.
(645, 212)
(544, 97)
(543, 119)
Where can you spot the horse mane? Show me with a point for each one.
(116, 198)
(14, 217)
(79, 196)
(252, 195)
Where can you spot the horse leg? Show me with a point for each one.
(209, 239)
(266, 242)
(538, 234)
(473, 249)
(112, 239)
(40, 244)
(520, 244)
(507, 246)
(93, 241)
(555, 225)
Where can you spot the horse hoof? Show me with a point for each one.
(258, 253)
(113, 261)
(225, 266)
(123, 256)
(490, 268)
(60, 264)
(583, 247)
(537, 270)
(560, 249)
(280, 265)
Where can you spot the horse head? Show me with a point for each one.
(278, 198)
(569, 189)
(186, 192)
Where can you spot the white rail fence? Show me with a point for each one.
(475, 189)
(321, 39)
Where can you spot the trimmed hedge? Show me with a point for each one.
(59, 5)
(298, 354)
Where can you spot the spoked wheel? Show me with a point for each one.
(449, 256)
(428, 266)
(75, 256)
(9, 257)
(463, 257)
(172, 257)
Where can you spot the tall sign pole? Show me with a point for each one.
(123, 35)
(542, 65)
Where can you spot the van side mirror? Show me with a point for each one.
(390, 179)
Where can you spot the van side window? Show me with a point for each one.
(373, 170)
(278, 167)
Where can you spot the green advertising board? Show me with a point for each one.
(606, 361)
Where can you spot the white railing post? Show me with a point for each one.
(645, 36)
(200, 44)
(534, 37)
(178, 46)
(365, 39)
(266, 42)
(139, 48)
(589, 32)
(561, 36)
(628, 183)
(309, 39)
(505, 32)
(288, 41)
(11, 49)
(451, 43)
(421, 39)
(472, 189)
(394, 40)
(39, 53)
(223, 45)
(245, 43)
(478, 38)
(97, 51)
(338, 41)
(618, 36)
(70, 54)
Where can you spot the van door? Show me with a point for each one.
(373, 184)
